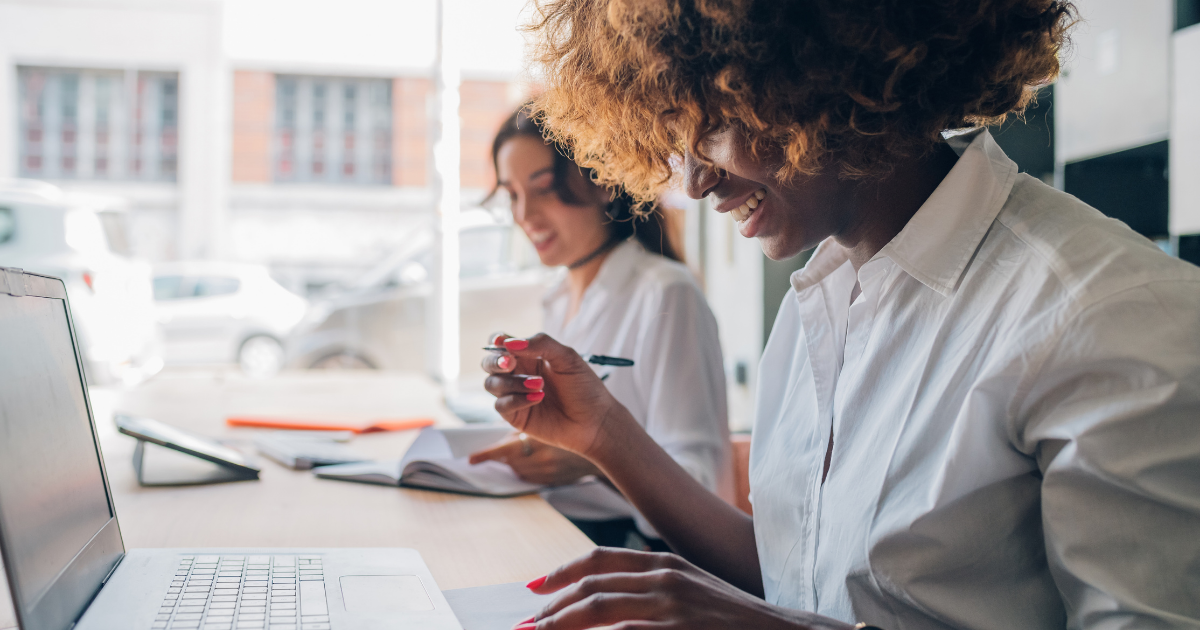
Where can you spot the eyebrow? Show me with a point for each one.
(537, 173)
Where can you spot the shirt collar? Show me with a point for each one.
(939, 241)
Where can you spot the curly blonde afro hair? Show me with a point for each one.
(632, 84)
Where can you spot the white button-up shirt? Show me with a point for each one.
(644, 307)
(1015, 406)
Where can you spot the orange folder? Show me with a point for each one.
(300, 424)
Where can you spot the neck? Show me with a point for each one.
(878, 210)
(581, 277)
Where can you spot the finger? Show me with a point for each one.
(501, 452)
(505, 384)
(607, 609)
(605, 560)
(656, 581)
(498, 362)
(497, 338)
(509, 405)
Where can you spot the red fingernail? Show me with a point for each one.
(534, 382)
(538, 582)
(535, 396)
(505, 363)
(516, 344)
(527, 626)
(499, 340)
(525, 621)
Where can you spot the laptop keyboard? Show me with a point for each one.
(245, 593)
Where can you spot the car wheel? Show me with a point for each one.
(342, 361)
(261, 356)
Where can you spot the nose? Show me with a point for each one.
(699, 176)
(523, 209)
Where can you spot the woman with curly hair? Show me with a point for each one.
(978, 407)
(624, 293)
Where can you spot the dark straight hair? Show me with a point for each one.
(651, 228)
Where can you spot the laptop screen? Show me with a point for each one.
(53, 499)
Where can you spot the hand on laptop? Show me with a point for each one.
(548, 391)
(611, 586)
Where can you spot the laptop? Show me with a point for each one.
(65, 562)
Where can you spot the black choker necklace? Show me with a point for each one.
(609, 244)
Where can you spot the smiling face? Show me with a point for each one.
(562, 233)
(786, 218)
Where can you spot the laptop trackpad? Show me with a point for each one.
(384, 594)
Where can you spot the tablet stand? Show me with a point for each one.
(162, 466)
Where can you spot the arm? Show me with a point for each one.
(573, 410)
(1113, 417)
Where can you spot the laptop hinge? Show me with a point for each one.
(12, 281)
(112, 570)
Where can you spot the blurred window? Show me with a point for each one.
(8, 225)
(98, 124)
(168, 288)
(214, 286)
(482, 251)
(335, 130)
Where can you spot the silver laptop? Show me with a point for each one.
(63, 555)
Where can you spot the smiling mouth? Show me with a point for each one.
(537, 238)
(744, 211)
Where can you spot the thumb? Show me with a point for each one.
(499, 452)
(562, 359)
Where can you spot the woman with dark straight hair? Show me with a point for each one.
(623, 293)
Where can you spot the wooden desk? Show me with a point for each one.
(466, 541)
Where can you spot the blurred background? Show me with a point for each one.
(244, 188)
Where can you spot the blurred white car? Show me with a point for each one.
(82, 239)
(378, 321)
(220, 312)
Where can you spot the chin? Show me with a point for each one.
(780, 248)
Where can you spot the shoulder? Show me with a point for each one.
(1082, 257)
(660, 277)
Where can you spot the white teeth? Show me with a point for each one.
(539, 237)
(743, 212)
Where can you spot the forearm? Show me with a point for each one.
(697, 523)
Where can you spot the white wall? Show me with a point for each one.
(172, 35)
(1185, 131)
(1113, 92)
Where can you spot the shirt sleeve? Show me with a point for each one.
(681, 379)
(1113, 418)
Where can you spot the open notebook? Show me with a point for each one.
(437, 460)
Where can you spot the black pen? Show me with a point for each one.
(594, 359)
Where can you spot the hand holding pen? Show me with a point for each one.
(549, 391)
(594, 359)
